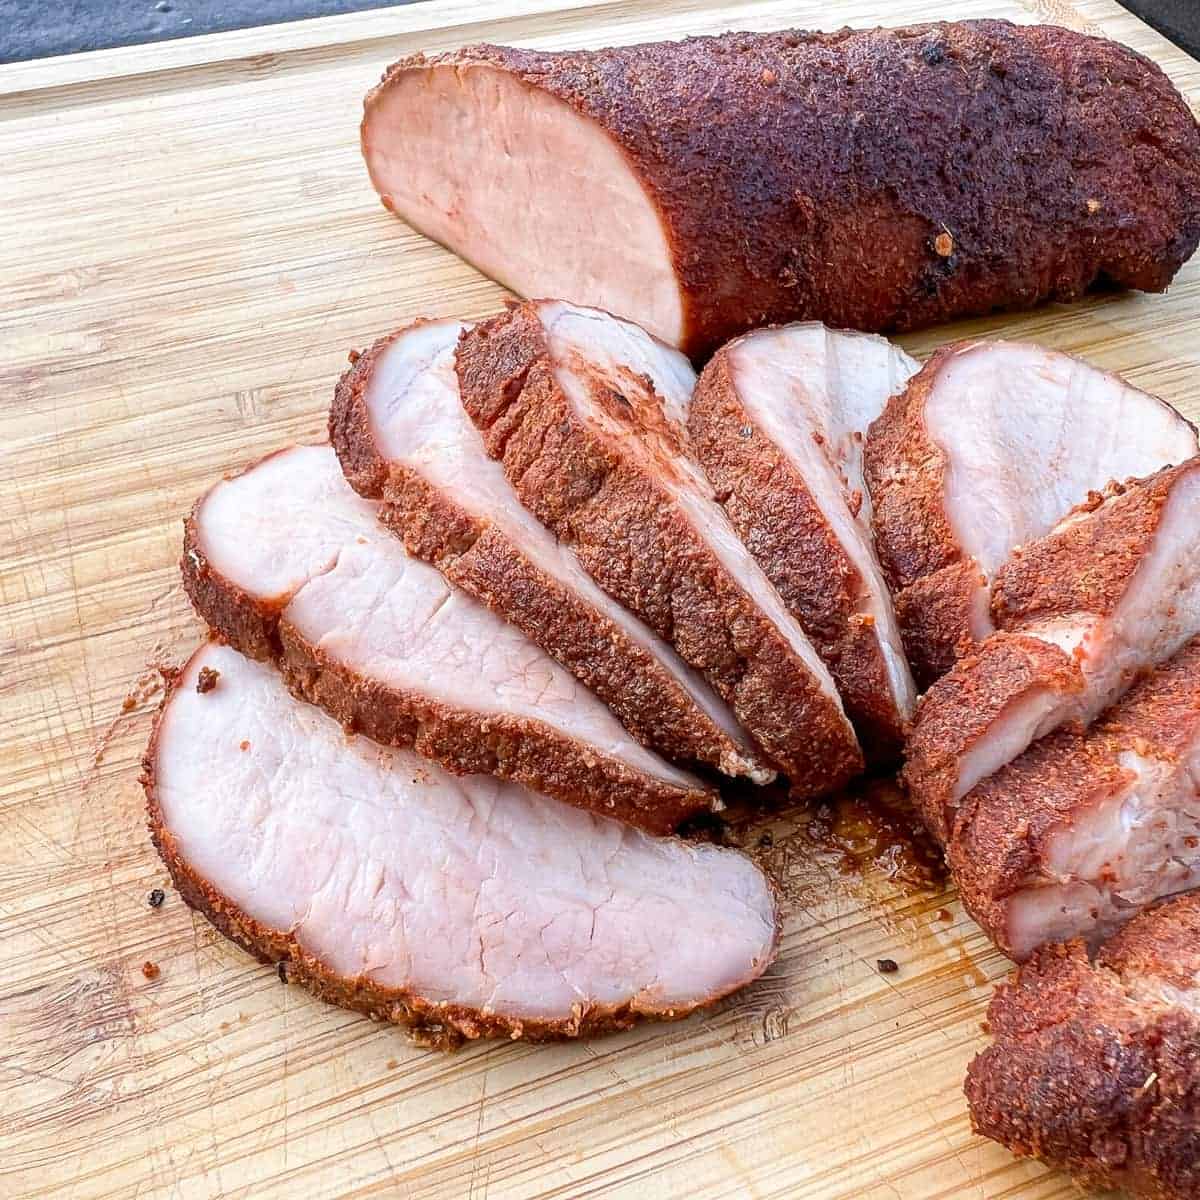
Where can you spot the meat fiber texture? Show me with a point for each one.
(873, 179)
(1084, 830)
(464, 906)
(986, 450)
(404, 439)
(589, 430)
(1112, 592)
(777, 421)
(1096, 1068)
(288, 564)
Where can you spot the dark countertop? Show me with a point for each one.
(38, 28)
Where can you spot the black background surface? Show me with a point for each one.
(37, 28)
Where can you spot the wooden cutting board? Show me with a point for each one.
(188, 249)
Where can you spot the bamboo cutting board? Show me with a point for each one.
(188, 249)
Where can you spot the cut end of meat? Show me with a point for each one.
(522, 186)
(465, 906)
(1096, 1068)
(777, 422)
(1084, 830)
(988, 448)
(584, 413)
(403, 437)
(390, 648)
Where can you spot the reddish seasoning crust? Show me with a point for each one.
(443, 1025)
(997, 845)
(1085, 565)
(635, 541)
(479, 558)
(1088, 1073)
(463, 742)
(820, 175)
(963, 705)
(769, 503)
(934, 584)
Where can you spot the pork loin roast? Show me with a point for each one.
(404, 439)
(988, 447)
(872, 179)
(468, 906)
(588, 426)
(1113, 591)
(287, 563)
(1096, 1068)
(777, 422)
(1083, 830)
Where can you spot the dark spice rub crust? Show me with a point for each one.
(639, 544)
(460, 739)
(439, 1024)
(783, 526)
(481, 559)
(1096, 1069)
(887, 179)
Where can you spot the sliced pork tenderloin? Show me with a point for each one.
(1096, 1068)
(986, 450)
(1112, 592)
(709, 186)
(404, 439)
(589, 430)
(1084, 830)
(465, 906)
(288, 564)
(777, 422)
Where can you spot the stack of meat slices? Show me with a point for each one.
(561, 586)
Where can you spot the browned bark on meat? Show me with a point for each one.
(488, 565)
(887, 179)
(1094, 1068)
(636, 541)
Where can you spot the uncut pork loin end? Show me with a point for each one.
(734, 195)
(462, 907)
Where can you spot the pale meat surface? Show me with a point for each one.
(777, 422)
(389, 646)
(1085, 829)
(587, 431)
(1114, 591)
(989, 447)
(403, 438)
(391, 886)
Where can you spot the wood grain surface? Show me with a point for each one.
(188, 249)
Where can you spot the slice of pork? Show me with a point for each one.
(404, 439)
(871, 178)
(1096, 1068)
(987, 449)
(287, 563)
(587, 427)
(777, 422)
(1112, 592)
(1084, 830)
(467, 906)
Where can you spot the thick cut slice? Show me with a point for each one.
(467, 906)
(403, 438)
(869, 178)
(1096, 1069)
(777, 422)
(1113, 591)
(287, 563)
(1084, 830)
(588, 429)
(987, 449)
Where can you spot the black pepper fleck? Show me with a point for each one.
(887, 966)
(156, 898)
